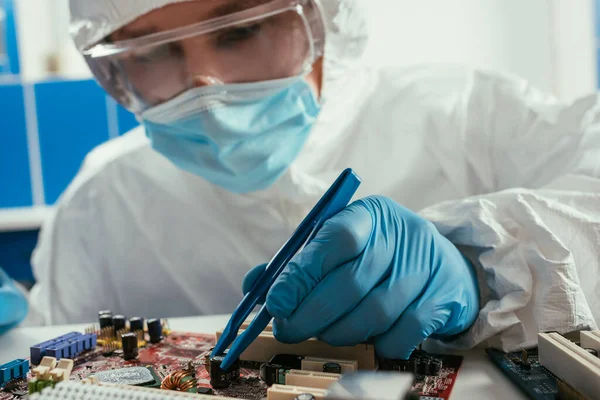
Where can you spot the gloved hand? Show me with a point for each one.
(375, 270)
(13, 305)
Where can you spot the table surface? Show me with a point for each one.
(478, 377)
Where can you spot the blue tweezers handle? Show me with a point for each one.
(335, 200)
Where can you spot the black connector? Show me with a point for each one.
(274, 371)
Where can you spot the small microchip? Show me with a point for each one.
(134, 376)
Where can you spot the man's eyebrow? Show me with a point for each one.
(234, 6)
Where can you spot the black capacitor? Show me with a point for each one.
(305, 396)
(410, 366)
(104, 312)
(106, 321)
(436, 367)
(592, 352)
(119, 322)
(130, 346)
(136, 324)
(417, 366)
(424, 366)
(396, 365)
(333, 368)
(155, 330)
(220, 379)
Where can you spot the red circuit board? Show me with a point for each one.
(439, 387)
(176, 351)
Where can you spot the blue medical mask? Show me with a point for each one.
(241, 137)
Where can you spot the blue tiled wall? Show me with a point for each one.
(72, 120)
(15, 186)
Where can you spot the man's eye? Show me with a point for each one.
(232, 37)
(156, 53)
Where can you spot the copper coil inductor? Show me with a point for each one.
(181, 381)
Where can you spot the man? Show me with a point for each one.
(250, 109)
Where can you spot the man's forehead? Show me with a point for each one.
(217, 8)
(184, 13)
(231, 6)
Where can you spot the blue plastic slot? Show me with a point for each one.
(38, 351)
(13, 370)
(73, 347)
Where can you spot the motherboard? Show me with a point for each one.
(180, 361)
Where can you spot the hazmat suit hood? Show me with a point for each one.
(345, 20)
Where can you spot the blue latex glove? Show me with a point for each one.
(375, 270)
(13, 305)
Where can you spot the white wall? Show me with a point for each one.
(35, 33)
(548, 42)
(45, 46)
(575, 45)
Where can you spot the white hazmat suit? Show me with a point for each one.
(510, 175)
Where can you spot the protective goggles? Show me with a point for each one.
(275, 40)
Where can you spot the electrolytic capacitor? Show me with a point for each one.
(220, 379)
(106, 321)
(130, 346)
(425, 366)
(436, 367)
(104, 312)
(118, 322)
(417, 366)
(136, 324)
(305, 396)
(333, 368)
(155, 330)
(410, 365)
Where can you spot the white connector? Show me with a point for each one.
(319, 380)
(265, 346)
(283, 392)
(42, 371)
(570, 363)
